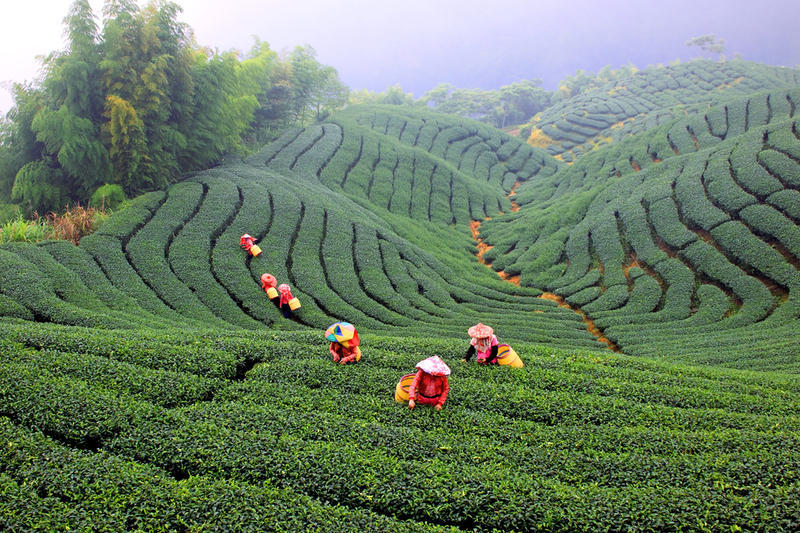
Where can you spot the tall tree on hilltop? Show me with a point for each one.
(18, 143)
(709, 43)
(520, 101)
(73, 157)
(511, 104)
(317, 87)
(77, 73)
(125, 134)
(147, 66)
(137, 103)
(258, 76)
(222, 110)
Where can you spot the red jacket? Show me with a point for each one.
(428, 389)
(342, 354)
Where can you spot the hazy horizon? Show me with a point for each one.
(467, 43)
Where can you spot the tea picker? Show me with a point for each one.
(248, 242)
(345, 343)
(482, 344)
(268, 283)
(429, 386)
(288, 303)
(488, 350)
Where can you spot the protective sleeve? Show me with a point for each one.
(492, 356)
(470, 352)
(412, 390)
(445, 390)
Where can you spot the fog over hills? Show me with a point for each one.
(464, 43)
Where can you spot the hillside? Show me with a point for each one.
(360, 224)
(675, 241)
(649, 282)
(616, 110)
(681, 241)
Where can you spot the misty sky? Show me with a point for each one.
(421, 43)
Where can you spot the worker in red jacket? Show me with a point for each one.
(430, 386)
(344, 343)
(286, 297)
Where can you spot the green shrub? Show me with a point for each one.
(8, 212)
(108, 197)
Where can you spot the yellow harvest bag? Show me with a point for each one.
(401, 390)
(508, 357)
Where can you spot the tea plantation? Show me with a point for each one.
(649, 283)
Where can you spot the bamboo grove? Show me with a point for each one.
(136, 102)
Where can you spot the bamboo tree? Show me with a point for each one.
(125, 135)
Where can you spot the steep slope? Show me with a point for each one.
(364, 225)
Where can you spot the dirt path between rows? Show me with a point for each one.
(475, 227)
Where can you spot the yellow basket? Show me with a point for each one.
(401, 390)
(255, 250)
(294, 304)
(272, 292)
(508, 357)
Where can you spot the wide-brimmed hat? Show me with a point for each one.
(480, 331)
(344, 333)
(435, 366)
(268, 280)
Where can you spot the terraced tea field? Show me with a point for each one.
(649, 283)
(253, 431)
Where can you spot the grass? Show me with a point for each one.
(71, 225)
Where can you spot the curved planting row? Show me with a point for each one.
(348, 253)
(533, 240)
(679, 136)
(429, 167)
(96, 430)
(696, 252)
(649, 98)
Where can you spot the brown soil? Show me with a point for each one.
(510, 279)
(590, 326)
(696, 142)
(514, 205)
(474, 226)
(626, 268)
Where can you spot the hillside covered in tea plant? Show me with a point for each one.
(645, 268)
(674, 241)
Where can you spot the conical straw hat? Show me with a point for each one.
(435, 366)
(480, 331)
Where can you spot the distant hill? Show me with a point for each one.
(618, 109)
(690, 228)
